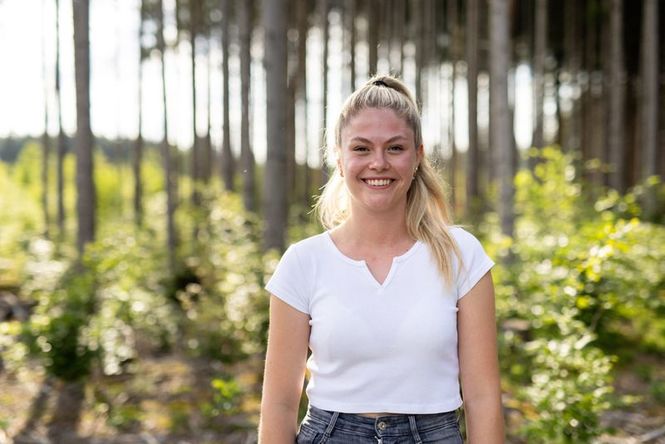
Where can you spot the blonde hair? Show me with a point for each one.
(428, 217)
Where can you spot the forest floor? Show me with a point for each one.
(161, 401)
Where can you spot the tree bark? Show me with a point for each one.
(649, 112)
(246, 153)
(324, 98)
(138, 145)
(617, 98)
(275, 57)
(228, 163)
(352, 8)
(473, 157)
(540, 48)
(500, 126)
(167, 158)
(301, 93)
(195, 154)
(46, 145)
(85, 186)
(372, 35)
(60, 181)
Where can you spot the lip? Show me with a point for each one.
(389, 181)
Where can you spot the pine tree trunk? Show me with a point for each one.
(195, 154)
(138, 145)
(46, 146)
(228, 167)
(649, 112)
(324, 98)
(540, 48)
(500, 127)
(352, 8)
(85, 201)
(275, 58)
(617, 97)
(246, 153)
(61, 148)
(373, 10)
(167, 158)
(473, 157)
(301, 94)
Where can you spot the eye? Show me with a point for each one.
(360, 149)
(396, 148)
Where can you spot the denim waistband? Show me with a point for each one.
(382, 426)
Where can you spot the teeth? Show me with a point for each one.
(378, 182)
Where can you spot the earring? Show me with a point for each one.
(414, 172)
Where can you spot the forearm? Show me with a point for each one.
(278, 424)
(484, 420)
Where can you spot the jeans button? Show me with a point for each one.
(382, 425)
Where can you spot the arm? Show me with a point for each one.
(288, 339)
(479, 366)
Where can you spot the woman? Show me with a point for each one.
(396, 304)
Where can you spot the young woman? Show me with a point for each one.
(395, 303)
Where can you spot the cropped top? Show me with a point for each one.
(389, 347)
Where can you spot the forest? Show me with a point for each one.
(133, 260)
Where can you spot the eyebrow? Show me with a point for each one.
(363, 140)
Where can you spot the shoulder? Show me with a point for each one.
(462, 237)
(310, 245)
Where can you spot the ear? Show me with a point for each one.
(420, 153)
(339, 166)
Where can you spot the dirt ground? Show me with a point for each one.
(160, 402)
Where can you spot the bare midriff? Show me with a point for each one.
(375, 415)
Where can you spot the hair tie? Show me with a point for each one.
(380, 83)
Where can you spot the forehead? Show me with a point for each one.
(376, 123)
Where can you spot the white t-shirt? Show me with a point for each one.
(388, 347)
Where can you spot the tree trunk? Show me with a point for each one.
(246, 153)
(397, 38)
(649, 112)
(46, 145)
(539, 49)
(324, 98)
(473, 157)
(617, 97)
(60, 181)
(195, 155)
(206, 167)
(301, 93)
(500, 127)
(85, 186)
(352, 8)
(167, 158)
(418, 21)
(373, 11)
(228, 167)
(138, 146)
(571, 133)
(275, 58)
(452, 32)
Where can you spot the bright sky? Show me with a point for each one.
(114, 85)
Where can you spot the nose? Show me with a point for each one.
(379, 161)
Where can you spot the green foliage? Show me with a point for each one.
(226, 307)
(582, 290)
(226, 398)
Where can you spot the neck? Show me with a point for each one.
(370, 228)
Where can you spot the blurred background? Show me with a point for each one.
(157, 156)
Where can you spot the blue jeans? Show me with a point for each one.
(325, 427)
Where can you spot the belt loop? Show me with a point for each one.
(414, 429)
(329, 429)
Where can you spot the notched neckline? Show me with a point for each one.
(363, 263)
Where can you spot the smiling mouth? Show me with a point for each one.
(378, 182)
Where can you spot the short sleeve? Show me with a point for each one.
(288, 282)
(475, 262)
